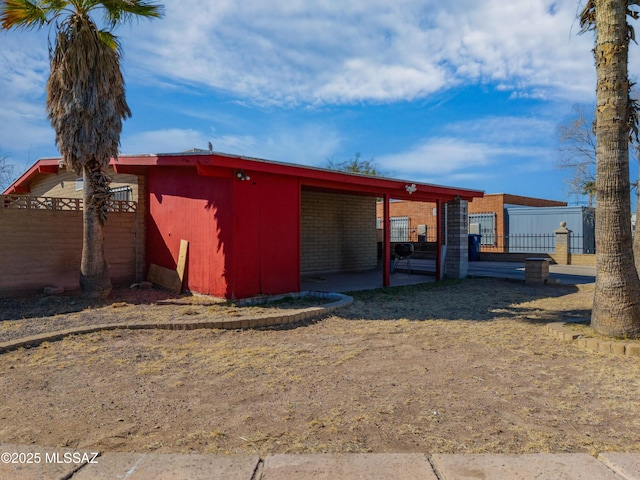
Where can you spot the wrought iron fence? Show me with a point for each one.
(404, 230)
(537, 243)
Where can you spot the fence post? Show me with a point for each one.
(563, 239)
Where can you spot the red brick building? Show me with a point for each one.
(412, 220)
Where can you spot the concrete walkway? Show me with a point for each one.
(423, 271)
(32, 462)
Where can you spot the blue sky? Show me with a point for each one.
(461, 93)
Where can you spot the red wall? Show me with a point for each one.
(267, 235)
(244, 236)
(183, 205)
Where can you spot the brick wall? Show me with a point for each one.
(419, 213)
(338, 233)
(492, 204)
(41, 248)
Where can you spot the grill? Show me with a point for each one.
(402, 251)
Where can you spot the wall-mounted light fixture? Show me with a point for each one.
(242, 176)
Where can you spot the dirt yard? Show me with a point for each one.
(453, 367)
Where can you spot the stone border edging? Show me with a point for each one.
(339, 301)
(619, 347)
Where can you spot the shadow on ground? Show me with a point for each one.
(37, 306)
(477, 299)
(43, 306)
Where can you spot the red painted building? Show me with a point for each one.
(245, 218)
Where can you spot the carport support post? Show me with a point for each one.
(457, 260)
(386, 243)
(438, 240)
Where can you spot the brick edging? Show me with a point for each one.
(339, 301)
(619, 347)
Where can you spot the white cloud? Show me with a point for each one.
(24, 65)
(171, 140)
(473, 150)
(306, 144)
(329, 51)
(505, 129)
(437, 157)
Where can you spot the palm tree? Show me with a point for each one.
(616, 306)
(85, 103)
(589, 188)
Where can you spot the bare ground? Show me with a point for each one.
(451, 367)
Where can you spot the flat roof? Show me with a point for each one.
(217, 164)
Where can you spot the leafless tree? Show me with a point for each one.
(6, 172)
(578, 152)
(355, 165)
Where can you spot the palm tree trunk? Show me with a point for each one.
(616, 306)
(94, 272)
(636, 230)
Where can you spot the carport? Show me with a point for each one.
(451, 215)
(248, 220)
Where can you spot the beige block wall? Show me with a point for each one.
(584, 259)
(140, 193)
(63, 184)
(338, 232)
(41, 248)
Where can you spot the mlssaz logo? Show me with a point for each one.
(72, 457)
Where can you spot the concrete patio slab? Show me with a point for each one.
(141, 466)
(423, 271)
(352, 281)
(627, 465)
(537, 466)
(411, 466)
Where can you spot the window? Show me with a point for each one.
(79, 184)
(485, 225)
(121, 193)
(399, 228)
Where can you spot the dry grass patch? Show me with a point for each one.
(451, 367)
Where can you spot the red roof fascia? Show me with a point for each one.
(215, 163)
(22, 184)
(396, 190)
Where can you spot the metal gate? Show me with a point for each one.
(399, 231)
(486, 226)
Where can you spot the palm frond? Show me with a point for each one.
(109, 40)
(22, 14)
(56, 5)
(588, 17)
(121, 11)
(85, 93)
